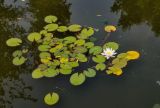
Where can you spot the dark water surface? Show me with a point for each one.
(138, 24)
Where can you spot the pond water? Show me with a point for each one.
(138, 29)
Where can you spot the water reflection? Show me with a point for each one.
(17, 19)
(138, 11)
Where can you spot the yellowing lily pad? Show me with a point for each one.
(132, 55)
(110, 28)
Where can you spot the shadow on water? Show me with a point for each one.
(134, 12)
(17, 19)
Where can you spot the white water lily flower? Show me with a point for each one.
(108, 53)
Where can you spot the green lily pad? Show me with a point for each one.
(100, 66)
(80, 42)
(34, 36)
(99, 59)
(80, 49)
(44, 55)
(65, 71)
(74, 28)
(62, 29)
(44, 48)
(18, 61)
(50, 72)
(81, 57)
(122, 55)
(73, 64)
(77, 79)
(51, 98)
(37, 73)
(69, 39)
(89, 44)
(50, 19)
(17, 53)
(12, 42)
(85, 33)
(95, 50)
(90, 73)
(51, 27)
(112, 45)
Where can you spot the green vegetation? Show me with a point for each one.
(61, 55)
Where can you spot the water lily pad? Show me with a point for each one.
(44, 55)
(17, 53)
(81, 57)
(34, 36)
(12, 42)
(99, 59)
(73, 64)
(77, 79)
(80, 42)
(62, 29)
(100, 66)
(65, 71)
(37, 73)
(50, 72)
(95, 50)
(51, 27)
(122, 55)
(74, 28)
(50, 19)
(51, 98)
(90, 73)
(112, 45)
(44, 48)
(69, 39)
(80, 49)
(110, 28)
(85, 33)
(18, 61)
(89, 44)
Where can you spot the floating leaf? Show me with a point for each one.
(89, 44)
(17, 53)
(12, 42)
(122, 55)
(85, 33)
(69, 39)
(44, 48)
(99, 59)
(65, 71)
(51, 27)
(90, 73)
(73, 64)
(18, 60)
(37, 73)
(95, 50)
(112, 45)
(43, 32)
(100, 66)
(50, 19)
(110, 28)
(77, 79)
(44, 55)
(81, 57)
(132, 55)
(62, 29)
(34, 36)
(50, 72)
(80, 49)
(115, 70)
(80, 42)
(74, 28)
(51, 98)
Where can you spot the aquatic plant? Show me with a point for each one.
(61, 55)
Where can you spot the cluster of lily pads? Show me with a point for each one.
(62, 55)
